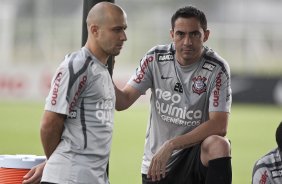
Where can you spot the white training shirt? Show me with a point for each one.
(182, 96)
(83, 90)
(268, 169)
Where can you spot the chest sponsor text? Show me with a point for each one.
(167, 106)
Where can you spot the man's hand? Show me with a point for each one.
(34, 175)
(159, 161)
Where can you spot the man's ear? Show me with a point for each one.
(171, 34)
(206, 35)
(94, 29)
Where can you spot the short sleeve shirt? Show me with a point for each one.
(181, 96)
(268, 169)
(82, 90)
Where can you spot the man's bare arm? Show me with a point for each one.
(52, 126)
(126, 97)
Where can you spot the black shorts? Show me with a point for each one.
(188, 169)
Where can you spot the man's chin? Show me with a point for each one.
(115, 53)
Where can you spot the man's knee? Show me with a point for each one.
(214, 147)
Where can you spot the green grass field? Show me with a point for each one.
(251, 130)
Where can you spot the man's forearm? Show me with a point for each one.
(50, 140)
(120, 99)
(52, 126)
(217, 126)
(125, 97)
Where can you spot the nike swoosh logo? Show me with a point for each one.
(162, 77)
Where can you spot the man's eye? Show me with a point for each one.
(179, 33)
(195, 34)
(117, 30)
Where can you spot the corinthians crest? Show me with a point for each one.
(199, 85)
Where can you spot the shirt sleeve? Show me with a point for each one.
(261, 175)
(221, 95)
(56, 100)
(142, 79)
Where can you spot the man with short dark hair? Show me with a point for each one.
(190, 105)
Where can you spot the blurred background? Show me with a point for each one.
(35, 35)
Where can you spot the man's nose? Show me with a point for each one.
(187, 40)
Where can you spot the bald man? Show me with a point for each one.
(77, 124)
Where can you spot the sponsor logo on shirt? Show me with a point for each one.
(208, 66)
(104, 111)
(165, 57)
(140, 74)
(199, 86)
(56, 86)
(167, 106)
(216, 93)
(78, 92)
(263, 178)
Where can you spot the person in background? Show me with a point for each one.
(268, 169)
(189, 106)
(77, 124)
